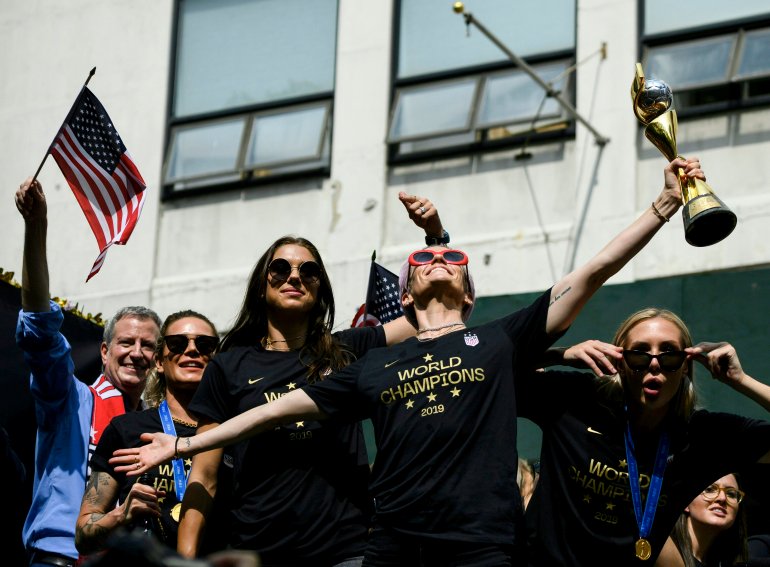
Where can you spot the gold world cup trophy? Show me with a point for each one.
(707, 220)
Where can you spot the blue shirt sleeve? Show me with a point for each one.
(47, 353)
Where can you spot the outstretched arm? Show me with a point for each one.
(30, 201)
(570, 294)
(425, 215)
(722, 361)
(99, 518)
(291, 407)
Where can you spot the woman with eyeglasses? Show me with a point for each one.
(112, 500)
(623, 454)
(443, 404)
(712, 530)
(300, 490)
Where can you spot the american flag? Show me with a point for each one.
(101, 174)
(383, 303)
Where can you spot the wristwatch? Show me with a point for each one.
(442, 240)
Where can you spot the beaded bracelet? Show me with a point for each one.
(658, 213)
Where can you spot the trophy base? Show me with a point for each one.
(707, 220)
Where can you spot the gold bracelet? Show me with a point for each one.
(658, 213)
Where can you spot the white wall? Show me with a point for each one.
(197, 252)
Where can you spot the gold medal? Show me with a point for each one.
(177, 510)
(643, 549)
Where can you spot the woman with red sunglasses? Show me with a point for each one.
(300, 493)
(624, 452)
(443, 404)
(112, 500)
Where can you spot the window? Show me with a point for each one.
(456, 91)
(252, 94)
(715, 58)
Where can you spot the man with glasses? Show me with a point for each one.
(70, 415)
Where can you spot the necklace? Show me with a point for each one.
(183, 422)
(267, 343)
(421, 331)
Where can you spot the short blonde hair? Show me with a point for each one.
(686, 398)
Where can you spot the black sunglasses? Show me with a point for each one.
(204, 344)
(280, 271)
(669, 361)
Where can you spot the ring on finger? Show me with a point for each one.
(422, 210)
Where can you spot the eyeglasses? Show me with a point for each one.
(422, 257)
(733, 495)
(669, 361)
(204, 344)
(280, 270)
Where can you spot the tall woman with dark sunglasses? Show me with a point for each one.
(111, 500)
(443, 404)
(301, 490)
(623, 454)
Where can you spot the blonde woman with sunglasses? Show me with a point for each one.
(443, 404)
(624, 453)
(112, 500)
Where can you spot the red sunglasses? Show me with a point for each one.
(422, 257)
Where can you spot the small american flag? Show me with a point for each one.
(383, 302)
(101, 174)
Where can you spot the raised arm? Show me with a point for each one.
(99, 518)
(30, 201)
(291, 407)
(722, 361)
(593, 355)
(425, 215)
(570, 294)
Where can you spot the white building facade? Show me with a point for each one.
(251, 119)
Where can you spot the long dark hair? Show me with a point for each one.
(729, 548)
(321, 352)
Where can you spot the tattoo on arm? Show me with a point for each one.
(101, 495)
(562, 294)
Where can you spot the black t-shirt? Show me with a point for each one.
(123, 432)
(445, 425)
(300, 491)
(581, 513)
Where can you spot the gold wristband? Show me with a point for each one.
(657, 213)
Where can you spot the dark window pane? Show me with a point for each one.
(432, 38)
(234, 53)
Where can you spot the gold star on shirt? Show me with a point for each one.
(622, 464)
(587, 498)
(188, 463)
(432, 397)
(291, 385)
(610, 506)
(300, 424)
(409, 404)
(428, 357)
(455, 392)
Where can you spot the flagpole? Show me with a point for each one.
(66, 118)
(369, 286)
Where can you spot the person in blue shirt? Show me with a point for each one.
(70, 414)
